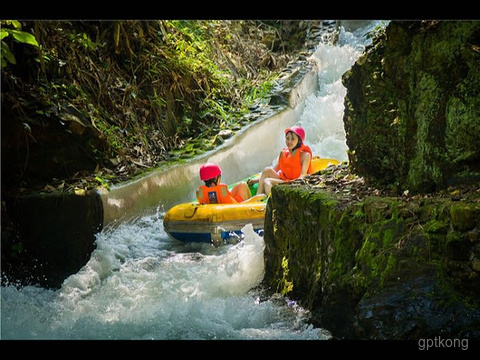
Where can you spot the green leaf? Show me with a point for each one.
(24, 37)
(7, 55)
(16, 24)
(3, 34)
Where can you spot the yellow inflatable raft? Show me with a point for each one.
(216, 223)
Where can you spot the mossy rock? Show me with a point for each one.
(344, 256)
(413, 104)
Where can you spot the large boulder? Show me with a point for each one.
(412, 109)
(372, 266)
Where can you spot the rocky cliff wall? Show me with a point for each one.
(370, 265)
(412, 107)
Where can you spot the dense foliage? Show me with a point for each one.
(111, 98)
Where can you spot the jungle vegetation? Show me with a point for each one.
(107, 100)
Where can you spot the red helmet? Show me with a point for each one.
(297, 130)
(209, 171)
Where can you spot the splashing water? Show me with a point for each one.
(140, 285)
(322, 117)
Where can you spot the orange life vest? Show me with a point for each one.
(291, 165)
(216, 195)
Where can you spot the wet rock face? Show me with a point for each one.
(414, 309)
(413, 104)
(48, 237)
(372, 265)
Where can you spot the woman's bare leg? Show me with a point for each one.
(269, 182)
(243, 190)
(268, 172)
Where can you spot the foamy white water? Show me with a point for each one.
(140, 284)
(322, 118)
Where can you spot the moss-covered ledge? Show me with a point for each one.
(371, 266)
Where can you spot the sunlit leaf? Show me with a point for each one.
(16, 24)
(79, 191)
(24, 37)
(3, 34)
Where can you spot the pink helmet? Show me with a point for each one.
(209, 171)
(297, 130)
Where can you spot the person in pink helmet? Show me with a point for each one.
(293, 162)
(214, 192)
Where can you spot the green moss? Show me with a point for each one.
(345, 242)
(284, 285)
(437, 226)
(412, 107)
(390, 268)
(365, 245)
(463, 215)
(454, 237)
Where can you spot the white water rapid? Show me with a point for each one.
(140, 284)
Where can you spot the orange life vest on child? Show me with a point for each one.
(216, 195)
(291, 166)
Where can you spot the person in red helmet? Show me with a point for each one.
(293, 162)
(214, 192)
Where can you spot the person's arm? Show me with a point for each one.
(199, 194)
(227, 194)
(277, 165)
(305, 159)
